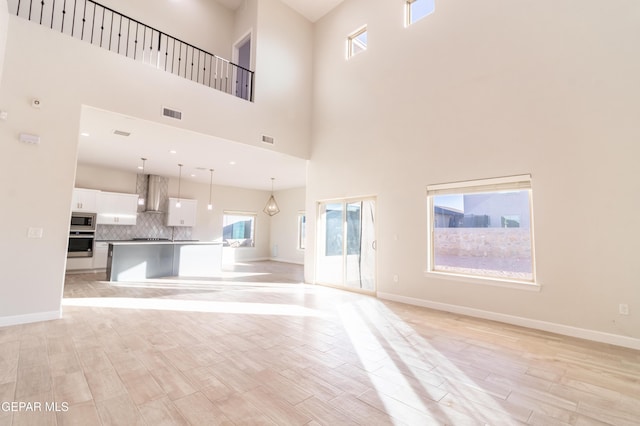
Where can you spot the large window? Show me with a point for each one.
(482, 228)
(357, 42)
(417, 9)
(238, 229)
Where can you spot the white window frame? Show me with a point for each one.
(408, 14)
(254, 217)
(519, 182)
(352, 40)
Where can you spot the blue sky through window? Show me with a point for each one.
(420, 9)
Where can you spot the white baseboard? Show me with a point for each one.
(283, 260)
(566, 330)
(29, 318)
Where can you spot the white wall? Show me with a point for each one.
(489, 89)
(284, 59)
(80, 74)
(284, 226)
(4, 24)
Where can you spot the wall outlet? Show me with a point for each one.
(623, 308)
(395, 278)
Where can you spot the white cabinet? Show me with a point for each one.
(84, 200)
(117, 209)
(185, 215)
(100, 249)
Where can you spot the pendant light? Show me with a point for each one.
(178, 204)
(272, 207)
(140, 197)
(210, 205)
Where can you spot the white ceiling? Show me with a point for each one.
(310, 9)
(254, 167)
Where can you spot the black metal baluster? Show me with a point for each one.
(180, 58)
(144, 41)
(159, 47)
(41, 10)
(111, 32)
(18, 11)
(198, 74)
(135, 43)
(251, 91)
(73, 21)
(166, 53)
(173, 55)
(102, 26)
(53, 9)
(192, 53)
(119, 33)
(210, 70)
(93, 23)
(64, 12)
(151, 46)
(128, 33)
(84, 16)
(30, 8)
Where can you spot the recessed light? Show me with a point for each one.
(84, 134)
(173, 151)
(233, 163)
(193, 175)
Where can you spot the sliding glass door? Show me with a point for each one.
(345, 255)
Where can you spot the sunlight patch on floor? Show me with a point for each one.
(193, 306)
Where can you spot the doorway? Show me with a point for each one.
(242, 57)
(346, 244)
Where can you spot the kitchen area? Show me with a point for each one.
(137, 236)
(132, 174)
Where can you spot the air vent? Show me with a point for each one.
(268, 139)
(171, 113)
(121, 133)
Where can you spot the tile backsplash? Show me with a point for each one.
(148, 225)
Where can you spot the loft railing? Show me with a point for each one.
(101, 26)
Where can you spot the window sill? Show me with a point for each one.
(496, 282)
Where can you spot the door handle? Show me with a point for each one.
(374, 245)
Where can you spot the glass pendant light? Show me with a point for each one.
(272, 207)
(140, 197)
(210, 205)
(178, 204)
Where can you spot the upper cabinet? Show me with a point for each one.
(117, 209)
(84, 200)
(185, 215)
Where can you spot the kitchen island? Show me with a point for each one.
(141, 260)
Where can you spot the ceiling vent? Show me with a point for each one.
(171, 113)
(121, 133)
(268, 139)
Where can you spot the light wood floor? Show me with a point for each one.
(265, 349)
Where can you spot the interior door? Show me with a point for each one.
(346, 252)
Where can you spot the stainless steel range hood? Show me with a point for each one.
(154, 194)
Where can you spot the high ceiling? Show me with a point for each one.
(235, 164)
(310, 9)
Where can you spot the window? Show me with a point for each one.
(482, 228)
(357, 42)
(302, 230)
(417, 9)
(238, 229)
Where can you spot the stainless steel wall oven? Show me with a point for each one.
(82, 234)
